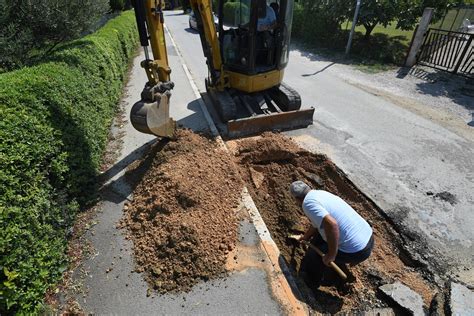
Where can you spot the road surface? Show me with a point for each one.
(419, 172)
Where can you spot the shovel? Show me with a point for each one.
(333, 265)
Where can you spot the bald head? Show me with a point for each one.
(299, 189)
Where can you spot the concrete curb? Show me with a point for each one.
(280, 270)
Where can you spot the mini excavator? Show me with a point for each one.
(246, 64)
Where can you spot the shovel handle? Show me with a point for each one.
(332, 264)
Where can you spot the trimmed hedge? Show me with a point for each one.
(55, 119)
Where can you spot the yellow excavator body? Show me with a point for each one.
(246, 61)
(255, 83)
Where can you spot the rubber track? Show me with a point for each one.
(294, 98)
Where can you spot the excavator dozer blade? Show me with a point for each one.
(154, 117)
(269, 122)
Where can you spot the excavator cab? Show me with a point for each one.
(255, 43)
(247, 66)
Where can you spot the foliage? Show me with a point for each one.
(373, 12)
(319, 20)
(405, 13)
(318, 24)
(236, 13)
(55, 119)
(117, 5)
(30, 29)
(186, 6)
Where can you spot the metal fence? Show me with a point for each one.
(449, 51)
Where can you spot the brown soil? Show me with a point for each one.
(271, 162)
(182, 220)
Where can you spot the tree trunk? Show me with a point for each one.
(368, 30)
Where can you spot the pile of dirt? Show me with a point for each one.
(268, 178)
(182, 220)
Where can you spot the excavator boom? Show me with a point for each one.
(151, 114)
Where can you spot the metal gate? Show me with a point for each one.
(448, 51)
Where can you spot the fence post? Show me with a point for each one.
(418, 37)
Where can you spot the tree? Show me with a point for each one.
(405, 13)
(414, 9)
(373, 12)
(186, 5)
(29, 30)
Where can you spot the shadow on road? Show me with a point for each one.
(471, 123)
(443, 84)
(194, 121)
(319, 71)
(190, 30)
(134, 167)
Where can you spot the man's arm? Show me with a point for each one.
(331, 229)
(309, 233)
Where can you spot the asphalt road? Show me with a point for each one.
(420, 173)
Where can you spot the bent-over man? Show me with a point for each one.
(336, 228)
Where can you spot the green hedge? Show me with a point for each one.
(55, 119)
(117, 5)
(317, 21)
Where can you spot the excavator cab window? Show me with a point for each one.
(234, 35)
(285, 16)
(255, 34)
(262, 9)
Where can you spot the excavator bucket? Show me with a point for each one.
(154, 117)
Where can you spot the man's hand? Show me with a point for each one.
(298, 238)
(303, 238)
(327, 259)
(308, 234)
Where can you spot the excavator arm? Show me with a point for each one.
(150, 115)
(210, 42)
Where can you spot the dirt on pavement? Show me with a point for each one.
(268, 165)
(182, 220)
(184, 225)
